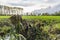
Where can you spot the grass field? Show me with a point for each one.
(46, 27)
(4, 17)
(47, 18)
(41, 17)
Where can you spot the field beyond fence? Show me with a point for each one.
(47, 18)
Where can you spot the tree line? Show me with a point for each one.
(44, 14)
(35, 14)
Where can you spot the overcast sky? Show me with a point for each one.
(30, 5)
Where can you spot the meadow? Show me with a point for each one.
(57, 18)
(2, 17)
(41, 18)
(47, 18)
(47, 27)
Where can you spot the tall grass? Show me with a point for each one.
(30, 27)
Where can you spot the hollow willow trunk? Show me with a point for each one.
(16, 21)
(17, 27)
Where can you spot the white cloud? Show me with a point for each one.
(45, 0)
(30, 5)
(14, 1)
